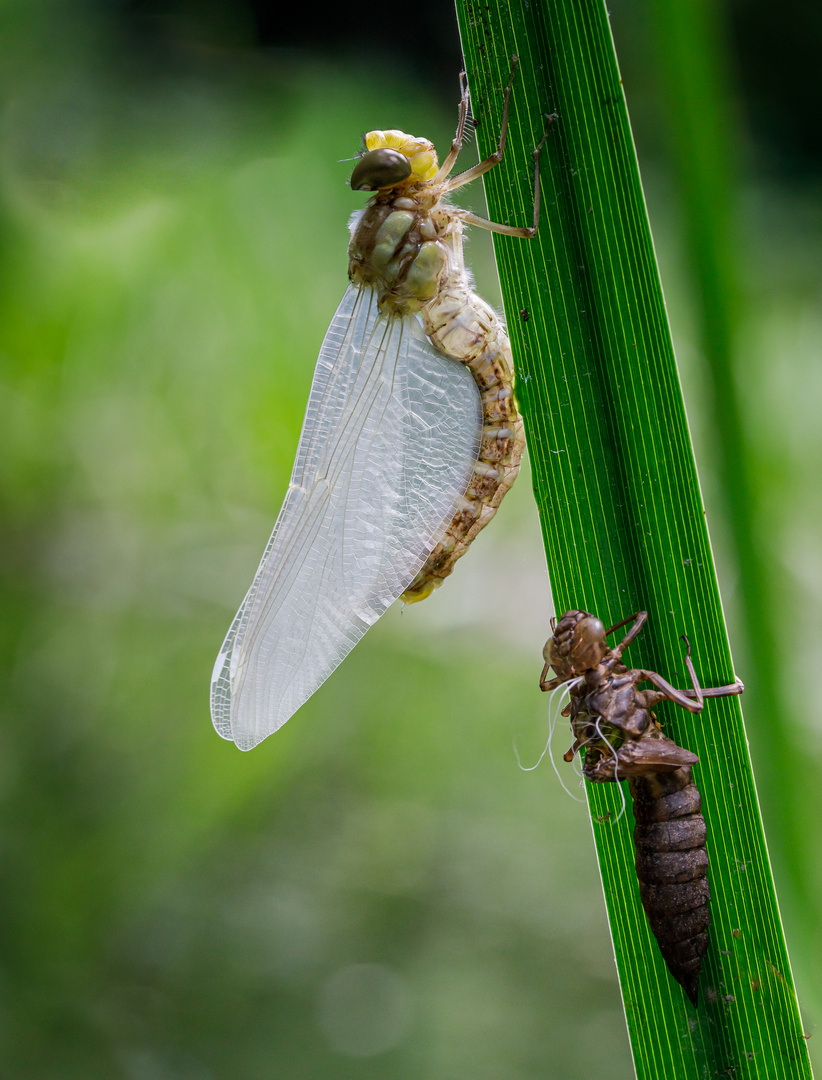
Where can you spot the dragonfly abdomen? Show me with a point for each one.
(672, 867)
(466, 329)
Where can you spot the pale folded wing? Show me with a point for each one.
(390, 438)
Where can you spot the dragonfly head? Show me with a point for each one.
(578, 644)
(392, 157)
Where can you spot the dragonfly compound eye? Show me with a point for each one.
(588, 643)
(381, 168)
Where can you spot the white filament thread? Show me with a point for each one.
(555, 706)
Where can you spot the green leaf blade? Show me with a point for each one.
(621, 510)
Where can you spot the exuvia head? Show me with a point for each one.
(578, 644)
(392, 157)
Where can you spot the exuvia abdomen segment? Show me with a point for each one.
(672, 867)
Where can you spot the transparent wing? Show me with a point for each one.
(390, 437)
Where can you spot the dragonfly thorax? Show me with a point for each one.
(399, 247)
(397, 243)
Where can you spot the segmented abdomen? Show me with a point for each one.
(465, 328)
(672, 867)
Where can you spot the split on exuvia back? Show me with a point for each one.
(613, 723)
(411, 438)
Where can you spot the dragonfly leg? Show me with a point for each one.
(527, 232)
(737, 687)
(548, 684)
(495, 158)
(572, 751)
(698, 693)
(640, 616)
(692, 700)
(458, 140)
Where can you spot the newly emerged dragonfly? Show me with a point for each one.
(410, 441)
(613, 723)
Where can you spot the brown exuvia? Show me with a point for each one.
(613, 721)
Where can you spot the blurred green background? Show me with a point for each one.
(378, 891)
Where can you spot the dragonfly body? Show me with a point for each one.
(407, 246)
(613, 723)
(411, 438)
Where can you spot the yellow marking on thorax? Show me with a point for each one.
(420, 152)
